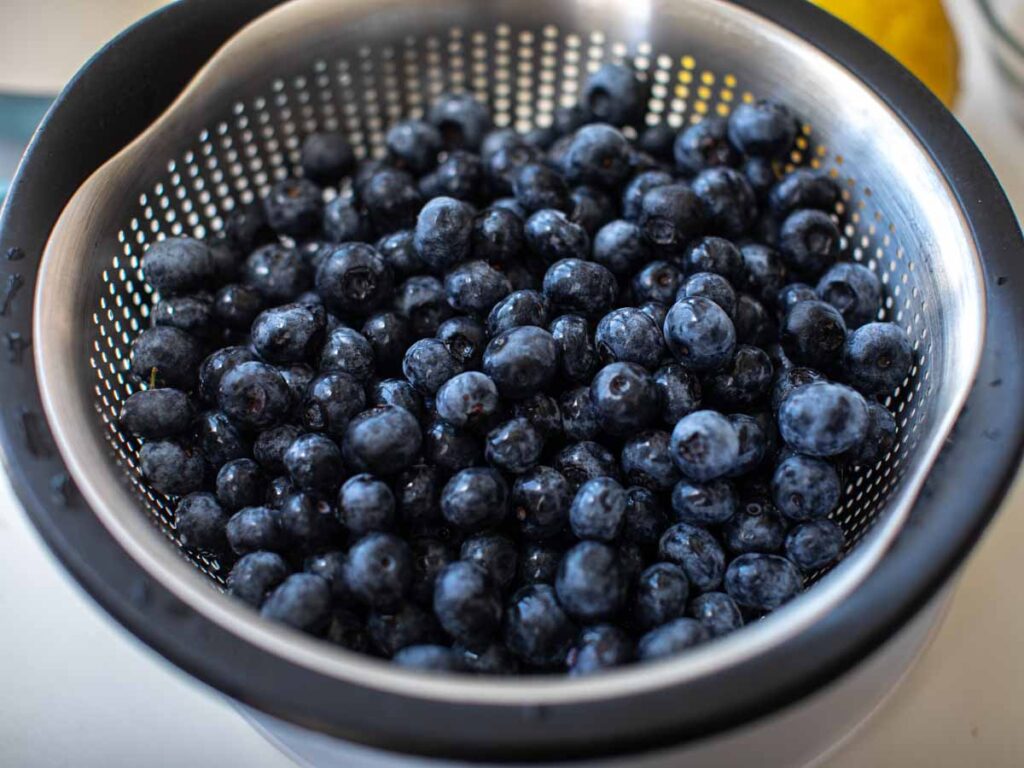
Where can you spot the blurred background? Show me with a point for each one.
(79, 691)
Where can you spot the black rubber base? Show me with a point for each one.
(135, 77)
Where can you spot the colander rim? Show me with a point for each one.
(151, 601)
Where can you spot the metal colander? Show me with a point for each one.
(357, 66)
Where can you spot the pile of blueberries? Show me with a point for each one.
(514, 403)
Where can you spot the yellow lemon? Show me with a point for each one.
(916, 32)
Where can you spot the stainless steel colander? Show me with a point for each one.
(919, 207)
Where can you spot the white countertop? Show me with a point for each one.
(77, 690)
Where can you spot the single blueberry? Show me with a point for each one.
(413, 145)
(314, 463)
(498, 555)
(398, 250)
(708, 285)
(619, 246)
(878, 357)
(599, 648)
(699, 334)
(541, 498)
(854, 290)
(465, 338)
(527, 307)
(629, 335)
(763, 128)
(423, 302)
(156, 413)
(717, 612)
(521, 361)
(252, 529)
(711, 503)
(366, 504)
(704, 145)
(469, 399)
(614, 94)
(240, 483)
(236, 306)
(762, 582)
(880, 437)
(647, 460)
(823, 419)
(289, 333)
(353, 279)
(590, 584)
(255, 575)
(497, 236)
(331, 401)
(805, 488)
(294, 207)
(625, 398)
(813, 334)
(467, 603)
(428, 364)
(537, 629)
(391, 199)
(598, 511)
(804, 188)
(598, 154)
(660, 596)
(576, 348)
(744, 382)
(670, 215)
(551, 237)
(580, 420)
(461, 119)
(729, 203)
(679, 392)
(815, 544)
(327, 158)
(347, 351)
(756, 527)
(697, 552)
(659, 282)
(199, 522)
(670, 639)
(254, 395)
(475, 499)
(165, 356)
(378, 570)
(459, 175)
(383, 440)
(475, 287)
(809, 242)
(514, 446)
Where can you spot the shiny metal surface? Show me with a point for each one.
(357, 65)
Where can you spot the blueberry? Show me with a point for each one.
(598, 154)
(585, 461)
(514, 446)
(272, 444)
(156, 413)
(679, 392)
(475, 286)
(647, 461)
(717, 255)
(366, 504)
(631, 336)
(538, 565)
(854, 290)
(620, 247)
(294, 207)
(388, 335)
(465, 339)
(823, 419)
(804, 188)
(298, 377)
(543, 413)
(252, 529)
(236, 306)
(517, 309)
(537, 629)
(401, 627)
(416, 493)
(638, 186)
(451, 448)
(551, 236)
(764, 271)
(467, 603)
(661, 594)
(461, 119)
(697, 552)
(599, 648)
(762, 582)
(591, 208)
(347, 630)
(378, 570)
(670, 215)
(459, 175)
(756, 527)
(762, 175)
(805, 488)
(240, 483)
(497, 236)
(590, 583)
(423, 302)
(580, 286)
(199, 523)
(496, 554)
(431, 658)
(878, 357)
(792, 294)
(246, 229)
(762, 128)
(353, 279)
(332, 400)
(383, 440)
(744, 382)
(391, 199)
(166, 356)
(699, 334)
(730, 206)
(753, 323)
(277, 272)
(330, 566)
(178, 265)
(815, 544)
(398, 250)
(537, 186)
(307, 524)
(254, 395)
(327, 158)
(192, 314)
(288, 334)
(429, 558)
(428, 364)
(540, 502)
(753, 433)
(704, 145)
(657, 140)
(255, 575)
(880, 438)
(813, 334)
(809, 242)
(171, 468)
(717, 612)
(625, 398)
(475, 499)
(614, 94)
(708, 285)
(218, 439)
(576, 349)
(521, 361)
(645, 517)
(670, 639)
(580, 420)
(711, 503)
(413, 145)
(278, 489)
(598, 511)
(468, 400)
(344, 222)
